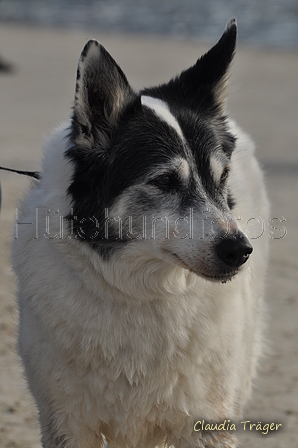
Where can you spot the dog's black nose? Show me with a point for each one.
(234, 251)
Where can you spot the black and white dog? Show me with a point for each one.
(140, 293)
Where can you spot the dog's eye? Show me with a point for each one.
(166, 181)
(225, 175)
(163, 181)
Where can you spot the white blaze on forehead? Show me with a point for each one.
(217, 167)
(162, 110)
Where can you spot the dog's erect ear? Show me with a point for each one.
(102, 92)
(205, 82)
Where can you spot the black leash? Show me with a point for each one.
(35, 174)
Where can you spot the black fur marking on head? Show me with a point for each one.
(115, 141)
(102, 92)
(141, 144)
(202, 86)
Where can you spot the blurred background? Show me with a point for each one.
(265, 22)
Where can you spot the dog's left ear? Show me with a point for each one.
(204, 84)
(102, 92)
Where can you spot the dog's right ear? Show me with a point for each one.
(102, 92)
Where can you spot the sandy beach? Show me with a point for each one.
(263, 99)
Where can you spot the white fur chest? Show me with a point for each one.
(146, 352)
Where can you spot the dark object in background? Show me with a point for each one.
(5, 67)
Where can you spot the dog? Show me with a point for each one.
(140, 282)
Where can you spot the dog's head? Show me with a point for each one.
(151, 169)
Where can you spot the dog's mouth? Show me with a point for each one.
(222, 277)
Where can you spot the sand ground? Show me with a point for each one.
(263, 99)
